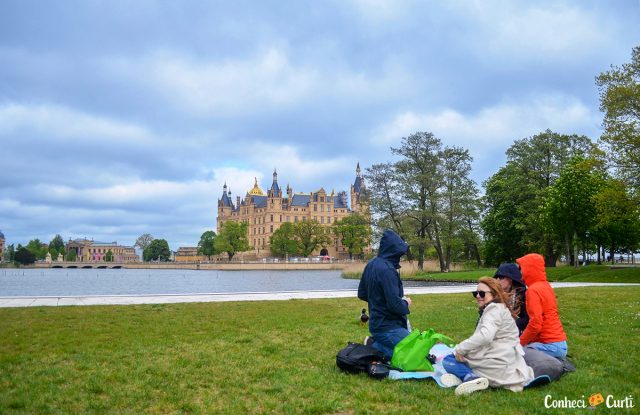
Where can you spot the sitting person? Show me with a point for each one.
(511, 282)
(381, 287)
(492, 356)
(544, 331)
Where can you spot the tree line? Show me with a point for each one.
(562, 195)
(290, 239)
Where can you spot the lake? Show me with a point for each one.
(80, 282)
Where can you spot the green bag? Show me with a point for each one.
(411, 353)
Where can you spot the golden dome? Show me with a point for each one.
(256, 191)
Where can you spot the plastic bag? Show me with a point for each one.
(411, 354)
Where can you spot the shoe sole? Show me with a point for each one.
(449, 380)
(472, 386)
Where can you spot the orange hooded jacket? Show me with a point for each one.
(544, 321)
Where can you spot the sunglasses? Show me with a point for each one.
(481, 293)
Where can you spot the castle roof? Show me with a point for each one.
(1, 235)
(260, 201)
(300, 200)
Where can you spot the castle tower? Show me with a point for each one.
(225, 206)
(359, 194)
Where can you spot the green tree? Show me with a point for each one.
(158, 250)
(206, 246)
(37, 248)
(56, 246)
(143, 241)
(10, 253)
(620, 102)
(514, 196)
(309, 235)
(427, 197)
(108, 257)
(618, 217)
(232, 238)
(354, 231)
(569, 207)
(282, 242)
(24, 256)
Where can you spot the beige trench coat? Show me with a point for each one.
(494, 351)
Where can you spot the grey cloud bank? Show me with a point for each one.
(120, 118)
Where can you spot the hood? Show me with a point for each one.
(392, 247)
(532, 267)
(510, 271)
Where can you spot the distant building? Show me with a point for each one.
(2, 246)
(266, 212)
(90, 251)
(188, 254)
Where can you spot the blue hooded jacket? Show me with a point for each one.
(381, 287)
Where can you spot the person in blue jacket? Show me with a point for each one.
(381, 287)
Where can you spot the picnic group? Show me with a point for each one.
(518, 340)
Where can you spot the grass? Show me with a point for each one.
(279, 357)
(590, 273)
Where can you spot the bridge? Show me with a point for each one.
(68, 264)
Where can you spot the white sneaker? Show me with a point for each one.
(472, 386)
(449, 380)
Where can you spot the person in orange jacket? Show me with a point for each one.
(544, 331)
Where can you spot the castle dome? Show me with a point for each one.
(256, 191)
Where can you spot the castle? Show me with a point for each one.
(266, 212)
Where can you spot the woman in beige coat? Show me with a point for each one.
(492, 356)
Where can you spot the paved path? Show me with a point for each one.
(250, 296)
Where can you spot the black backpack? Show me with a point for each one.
(359, 358)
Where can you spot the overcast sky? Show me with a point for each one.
(119, 118)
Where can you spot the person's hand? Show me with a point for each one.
(460, 358)
(408, 300)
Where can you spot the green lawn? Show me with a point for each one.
(279, 357)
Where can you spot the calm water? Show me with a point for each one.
(78, 282)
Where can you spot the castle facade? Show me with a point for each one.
(265, 213)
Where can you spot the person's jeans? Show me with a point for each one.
(386, 341)
(461, 370)
(556, 349)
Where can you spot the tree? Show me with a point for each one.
(158, 250)
(617, 217)
(282, 242)
(620, 102)
(514, 196)
(24, 256)
(9, 253)
(309, 235)
(143, 241)
(354, 232)
(37, 248)
(232, 238)
(569, 207)
(108, 257)
(56, 246)
(206, 246)
(427, 197)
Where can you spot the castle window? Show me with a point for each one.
(321, 208)
(315, 207)
(288, 217)
(321, 219)
(280, 218)
(271, 218)
(322, 198)
(328, 219)
(271, 228)
(295, 219)
(304, 218)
